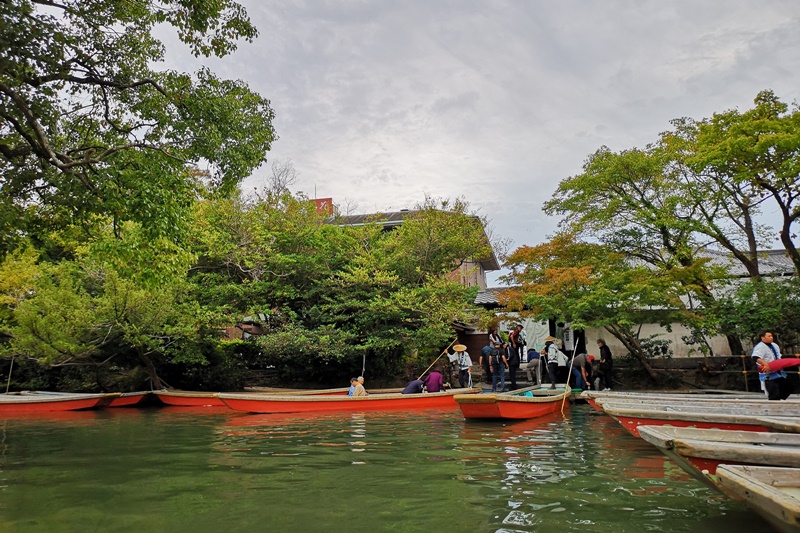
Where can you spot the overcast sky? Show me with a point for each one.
(379, 103)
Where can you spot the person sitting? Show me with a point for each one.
(360, 391)
(353, 382)
(414, 387)
(435, 381)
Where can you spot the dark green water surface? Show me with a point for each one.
(198, 470)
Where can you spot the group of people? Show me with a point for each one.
(499, 356)
(584, 373)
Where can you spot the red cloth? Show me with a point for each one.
(780, 364)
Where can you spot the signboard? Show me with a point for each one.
(324, 206)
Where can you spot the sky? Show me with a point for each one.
(379, 104)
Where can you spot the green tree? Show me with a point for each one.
(88, 126)
(591, 285)
(758, 151)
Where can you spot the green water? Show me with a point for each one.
(198, 470)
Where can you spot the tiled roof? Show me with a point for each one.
(770, 262)
(488, 296)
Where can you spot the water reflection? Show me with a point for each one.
(183, 469)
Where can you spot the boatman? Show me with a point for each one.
(774, 384)
(464, 365)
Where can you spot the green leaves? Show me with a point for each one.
(92, 128)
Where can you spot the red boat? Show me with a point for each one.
(270, 403)
(182, 398)
(631, 417)
(512, 406)
(129, 399)
(39, 402)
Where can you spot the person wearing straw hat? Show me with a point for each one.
(464, 366)
(550, 351)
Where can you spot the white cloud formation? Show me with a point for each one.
(379, 103)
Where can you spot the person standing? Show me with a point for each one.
(606, 367)
(494, 337)
(517, 341)
(551, 354)
(774, 384)
(512, 357)
(497, 366)
(464, 365)
(483, 362)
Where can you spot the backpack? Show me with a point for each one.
(495, 357)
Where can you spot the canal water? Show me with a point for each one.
(198, 470)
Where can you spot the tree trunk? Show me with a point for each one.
(634, 348)
(151, 371)
(735, 345)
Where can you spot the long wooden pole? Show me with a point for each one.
(440, 355)
(8, 383)
(567, 388)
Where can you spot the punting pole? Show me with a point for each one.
(440, 355)
(8, 383)
(567, 388)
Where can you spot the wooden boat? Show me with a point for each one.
(130, 399)
(268, 403)
(700, 451)
(744, 407)
(36, 402)
(634, 417)
(515, 405)
(181, 398)
(594, 398)
(772, 492)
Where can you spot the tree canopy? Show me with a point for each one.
(89, 126)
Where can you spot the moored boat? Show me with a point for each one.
(130, 399)
(700, 451)
(595, 398)
(181, 398)
(268, 403)
(773, 492)
(515, 405)
(633, 417)
(38, 402)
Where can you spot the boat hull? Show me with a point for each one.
(129, 399)
(252, 403)
(772, 492)
(188, 398)
(43, 403)
(502, 406)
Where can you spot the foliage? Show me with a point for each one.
(89, 127)
(759, 304)
(591, 286)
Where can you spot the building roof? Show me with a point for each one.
(770, 262)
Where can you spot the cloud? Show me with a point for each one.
(381, 102)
